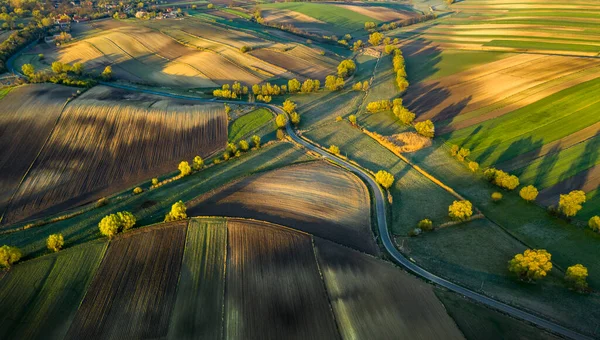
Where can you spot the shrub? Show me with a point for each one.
(460, 210)
(369, 25)
(352, 119)
(474, 166)
(462, 154)
(177, 212)
(256, 141)
(570, 204)
(501, 178)
(289, 106)
(334, 149)
(295, 118)
(346, 68)
(155, 181)
(281, 120)
(425, 225)
(357, 86)
(496, 197)
(226, 155)
(594, 223)
(454, 150)
(198, 163)
(404, 115)
(378, 106)
(9, 255)
(531, 265)
(339, 118)
(245, 49)
(425, 128)
(280, 134)
(184, 168)
(576, 277)
(137, 190)
(126, 220)
(384, 178)
(232, 148)
(529, 193)
(333, 83)
(244, 146)
(101, 202)
(28, 70)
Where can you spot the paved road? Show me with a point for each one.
(384, 233)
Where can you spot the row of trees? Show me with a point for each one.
(113, 224)
(233, 91)
(67, 74)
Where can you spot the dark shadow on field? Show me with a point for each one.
(547, 163)
(517, 147)
(421, 57)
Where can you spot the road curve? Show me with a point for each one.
(383, 226)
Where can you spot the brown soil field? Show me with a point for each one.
(373, 299)
(484, 85)
(316, 197)
(133, 292)
(274, 289)
(587, 180)
(27, 111)
(379, 12)
(298, 20)
(301, 60)
(107, 140)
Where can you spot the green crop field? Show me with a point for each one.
(248, 124)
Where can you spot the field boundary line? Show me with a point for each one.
(10, 201)
(224, 305)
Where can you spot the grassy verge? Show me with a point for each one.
(246, 125)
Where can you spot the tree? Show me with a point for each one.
(357, 45)
(333, 83)
(474, 166)
(334, 149)
(462, 154)
(375, 38)
(425, 225)
(293, 85)
(210, 6)
(154, 181)
(198, 163)
(289, 106)
(232, 148)
(378, 106)
(346, 68)
(109, 226)
(501, 178)
(352, 119)
(570, 204)
(531, 265)
(384, 178)
(357, 86)
(365, 85)
(245, 49)
(107, 73)
(529, 193)
(137, 190)
(78, 68)
(185, 168)
(126, 220)
(9, 255)
(28, 70)
(594, 223)
(404, 115)
(295, 118)
(496, 196)
(177, 212)
(576, 277)
(243, 144)
(55, 242)
(425, 128)
(369, 25)
(460, 210)
(281, 120)
(58, 67)
(256, 141)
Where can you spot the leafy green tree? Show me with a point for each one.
(281, 120)
(334, 149)
(425, 225)
(126, 220)
(570, 204)
(109, 225)
(529, 193)
(346, 68)
(256, 141)
(576, 277)
(375, 38)
(9, 255)
(184, 168)
(198, 163)
(293, 85)
(460, 210)
(533, 264)
(244, 146)
(289, 106)
(369, 25)
(384, 178)
(333, 83)
(425, 128)
(28, 70)
(55, 242)
(594, 224)
(178, 212)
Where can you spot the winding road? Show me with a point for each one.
(380, 204)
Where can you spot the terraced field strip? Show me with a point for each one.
(273, 287)
(101, 145)
(373, 299)
(199, 308)
(133, 293)
(321, 200)
(246, 125)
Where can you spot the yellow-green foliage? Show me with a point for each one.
(462, 154)
(293, 85)
(375, 38)
(9, 255)
(55, 242)
(384, 178)
(460, 210)
(184, 168)
(378, 106)
(256, 141)
(425, 225)
(369, 25)
(267, 90)
(232, 148)
(244, 146)
(474, 166)
(570, 204)
(576, 277)
(404, 115)
(502, 179)
(339, 118)
(529, 193)
(496, 197)
(334, 149)
(333, 83)
(177, 212)
(289, 106)
(112, 224)
(295, 118)
(531, 265)
(310, 85)
(137, 190)
(346, 68)
(281, 120)
(357, 86)
(198, 163)
(594, 223)
(352, 119)
(425, 128)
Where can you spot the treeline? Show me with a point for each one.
(372, 27)
(66, 74)
(18, 40)
(233, 91)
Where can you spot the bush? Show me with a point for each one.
(496, 197)
(244, 146)
(280, 134)
(184, 168)
(101, 202)
(501, 178)
(232, 148)
(295, 118)
(570, 204)
(177, 212)
(281, 121)
(529, 193)
(378, 106)
(137, 190)
(460, 210)
(531, 265)
(352, 119)
(454, 150)
(198, 163)
(339, 118)
(369, 25)
(474, 166)
(334, 149)
(9, 255)
(112, 224)
(462, 154)
(594, 224)
(256, 141)
(289, 106)
(425, 129)
(384, 178)
(357, 86)
(346, 68)
(245, 49)
(333, 83)
(226, 155)
(576, 277)
(425, 225)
